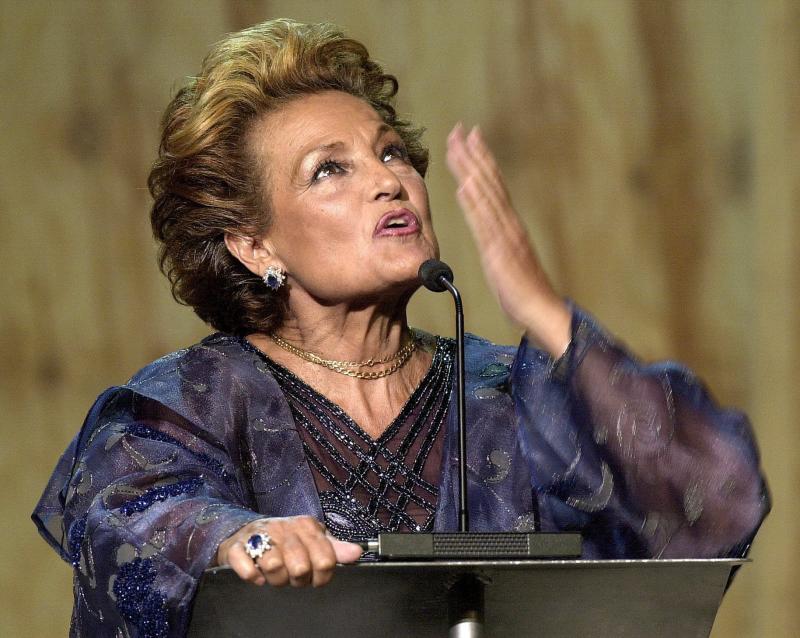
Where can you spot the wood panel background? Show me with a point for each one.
(652, 146)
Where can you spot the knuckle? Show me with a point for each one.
(280, 579)
(274, 526)
(308, 523)
(271, 564)
(246, 572)
(326, 563)
(298, 568)
(249, 570)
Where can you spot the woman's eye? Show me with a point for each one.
(326, 169)
(393, 151)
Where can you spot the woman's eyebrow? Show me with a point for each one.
(322, 148)
(380, 132)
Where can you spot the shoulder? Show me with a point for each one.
(488, 359)
(216, 356)
(479, 346)
(213, 376)
(477, 350)
(480, 351)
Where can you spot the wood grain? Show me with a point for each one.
(651, 146)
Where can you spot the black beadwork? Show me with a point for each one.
(366, 485)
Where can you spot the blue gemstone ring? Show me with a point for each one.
(257, 544)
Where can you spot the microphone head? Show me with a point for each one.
(432, 271)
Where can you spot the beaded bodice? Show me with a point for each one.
(367, 485)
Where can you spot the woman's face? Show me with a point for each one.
(350, 218)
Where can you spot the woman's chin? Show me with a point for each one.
(408, 261)
(407, 270)
(398, 282)
(418, 247)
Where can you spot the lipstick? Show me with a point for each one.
(398, 222)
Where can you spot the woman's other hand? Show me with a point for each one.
(302, 552)
(509, 260)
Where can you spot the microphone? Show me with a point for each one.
(438, 277)
(431, 271)
(463, 544)
(465, 597)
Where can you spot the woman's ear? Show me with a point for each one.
(255, 253)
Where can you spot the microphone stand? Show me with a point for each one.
(465, 598)
(463, 511)
(438, 277)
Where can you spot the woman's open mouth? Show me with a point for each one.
(397, 222)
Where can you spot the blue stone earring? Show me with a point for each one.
(274, 277)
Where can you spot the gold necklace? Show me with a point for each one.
(345, 367)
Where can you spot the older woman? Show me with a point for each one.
(293, 216)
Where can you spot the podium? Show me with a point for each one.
(488, 598)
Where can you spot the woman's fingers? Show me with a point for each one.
(481, 190)
(508, 258)
(345, 552)
(485, 161)
(457, 159)
(297, 560)
(243, 565)
(273, 567)
(323, 559)
(301, 553)
(470, 158)
(308, 553)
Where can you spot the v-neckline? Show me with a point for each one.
(394, 424)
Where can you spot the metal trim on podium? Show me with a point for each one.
(488, 598)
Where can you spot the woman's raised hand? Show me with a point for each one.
(302, 552)
(509, 261)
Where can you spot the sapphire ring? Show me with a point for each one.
(257, 544)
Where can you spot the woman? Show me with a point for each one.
(293, 216)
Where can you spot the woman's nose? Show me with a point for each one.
(385, 184)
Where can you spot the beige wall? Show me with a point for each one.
(652, 147)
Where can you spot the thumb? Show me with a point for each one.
(345, 552)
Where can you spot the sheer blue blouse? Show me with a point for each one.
(639, 458)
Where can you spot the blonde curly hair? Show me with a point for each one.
(206, 181)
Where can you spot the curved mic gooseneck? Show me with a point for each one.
(438, 277)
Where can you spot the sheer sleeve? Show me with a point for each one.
(637, 456)
(138, 504)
